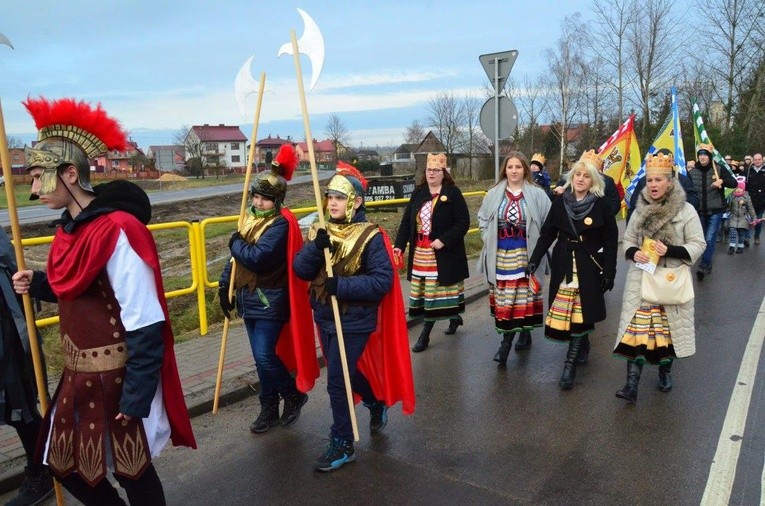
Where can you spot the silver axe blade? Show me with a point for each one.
(311, 44)
(244, 86)
(4, 40)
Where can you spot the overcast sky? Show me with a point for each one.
(159, 65)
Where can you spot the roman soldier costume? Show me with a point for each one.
(103, 270)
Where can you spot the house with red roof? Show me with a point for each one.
(324, 151)
(220, 146)
(122, 161)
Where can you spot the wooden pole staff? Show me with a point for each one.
(34, 346)
(327, 257)
(242, 210)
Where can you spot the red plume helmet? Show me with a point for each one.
(286, 161)
(90, 128)
(346, 169)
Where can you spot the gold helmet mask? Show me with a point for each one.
(343, 186)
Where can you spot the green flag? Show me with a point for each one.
(700, 135)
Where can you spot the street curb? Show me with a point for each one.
(12, 480)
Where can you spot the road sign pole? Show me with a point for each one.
(496, 119)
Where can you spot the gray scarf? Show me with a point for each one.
(578, 209)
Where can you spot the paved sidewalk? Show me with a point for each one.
(198, 366)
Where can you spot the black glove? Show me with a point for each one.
(225, 305)
(322, 240)
(236, 236)
(607, 284)
(531, 269)
(331, 285)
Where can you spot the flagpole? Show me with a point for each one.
(327, 258)
(34, 345)
(242, 210)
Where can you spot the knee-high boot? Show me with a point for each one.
(665, 377)
(630, 390)
(569, 368)
(584, 351)
(424, 339)
(504, 348)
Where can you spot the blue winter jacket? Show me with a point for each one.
(370, 285)
(266, 254)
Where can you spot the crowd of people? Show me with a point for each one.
(120, 397)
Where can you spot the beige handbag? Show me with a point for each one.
(667, 285)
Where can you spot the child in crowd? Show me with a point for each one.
(741, 213)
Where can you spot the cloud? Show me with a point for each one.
(332, 82)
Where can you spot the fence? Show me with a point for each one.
(197, 251)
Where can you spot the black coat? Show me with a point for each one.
(600, 233)
(755, 185)
(450, 223)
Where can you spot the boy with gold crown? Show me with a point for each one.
(271, 300)
(119, 400)
(371, 314)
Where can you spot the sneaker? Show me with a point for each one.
(292, 406)
(731, 249)
(338, 453)
(378, 416)
(739, 250)
(746, 243)
(37, 486)
(268, 417)
(700, 274)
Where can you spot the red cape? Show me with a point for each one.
(297, 346)
(386, 362)
(73, 264)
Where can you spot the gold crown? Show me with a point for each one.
(539, 157)
(436, 161)
(706, 147)
(659, 164)
(592, 157)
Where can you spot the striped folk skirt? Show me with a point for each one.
(513, 304)
(647, 338)
(426, 297)
(564, 319)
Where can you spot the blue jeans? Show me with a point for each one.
(354, 347)
(710, 224)
(274, 377)
(736, 237)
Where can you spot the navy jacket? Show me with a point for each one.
(268, 253)
(362, 292)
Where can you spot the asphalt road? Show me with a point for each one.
(484, 435)
(40, 213)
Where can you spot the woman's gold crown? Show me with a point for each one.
(593, 157)
(660, 162)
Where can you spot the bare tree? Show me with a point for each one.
(337, 132)
(473, 140)
(414, 133)
(530, 98)
(564, 79)
(194, 149)
(15, 142)
(446, 114)
(613, 18)
(730, 28)
(653, 38)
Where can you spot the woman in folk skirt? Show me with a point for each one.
(510, 220)
(583, 260)
(434, 225)
(657, 333)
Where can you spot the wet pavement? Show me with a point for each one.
(488, 435)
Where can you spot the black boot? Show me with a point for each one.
(665, 377)
(37, 485)
(292, 406)
(584, 351)
(524, 341)
(630, 390)
(569, 368)
(146, 490)
(424, 338)
(453, 324)
(268, 417)
(504, 348)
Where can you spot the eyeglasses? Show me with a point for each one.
(432, 171)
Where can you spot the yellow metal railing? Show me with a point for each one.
(197, 246)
